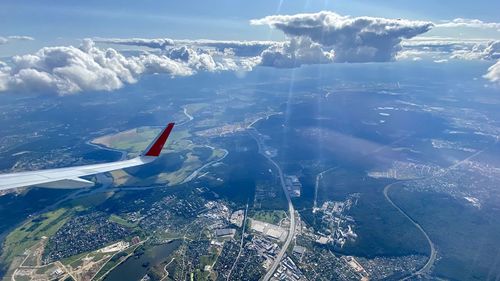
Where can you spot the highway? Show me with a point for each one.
(241, 243)
(432, 256)
(254, 133)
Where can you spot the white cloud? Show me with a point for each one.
(353, 39)
(493, 73)
(21, 38)
(492, 51)
(202, 54)
(8, 39)
(67, 70)
(157, 43)
(193, 58)
(206, 60)
(410, 55)
(488, 51)
(470, 23)
(295, 53)
(441, 61)
(238, 48)
(438, 48)
(4, 76)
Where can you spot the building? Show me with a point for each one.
(136, 240)
(293, 185)
(299, 250)
(225, 232)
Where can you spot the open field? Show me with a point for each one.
(32, 231)
(180, 159)
(272, 217)
(122, 221)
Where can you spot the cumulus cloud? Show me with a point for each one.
(438, 48)
(295, 53)
(206, 60)
(205, 55)
(194, 59)
(67, 70)
(470, 23)
(238, 48)
(489, 51)
(493, 73)
(353, 39)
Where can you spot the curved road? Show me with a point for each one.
(432, 257)
(197, 171)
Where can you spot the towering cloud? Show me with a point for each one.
(353, 39)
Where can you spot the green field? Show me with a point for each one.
(32, 231)
(273, 217)
(184, 156)
(122, 221)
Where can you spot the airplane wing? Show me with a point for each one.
(70, 177)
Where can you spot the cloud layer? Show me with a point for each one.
(353, 39)
(67, 70)
(158, 43)
(238, 48)
(469, 23)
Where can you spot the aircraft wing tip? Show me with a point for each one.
(156, 146)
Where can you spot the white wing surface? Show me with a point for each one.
(70, 177)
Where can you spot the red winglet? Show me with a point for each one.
(155, 148)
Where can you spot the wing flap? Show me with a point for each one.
(68, 184)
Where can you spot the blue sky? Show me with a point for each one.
(57, 22)
(302, 33)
